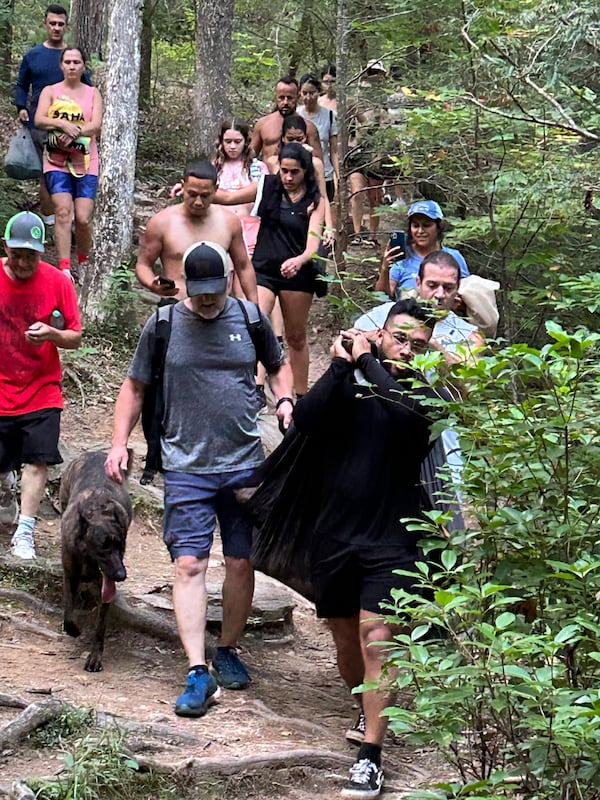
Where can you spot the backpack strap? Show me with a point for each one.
(254, 324)
(154, 401)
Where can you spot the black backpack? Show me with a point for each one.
(154, 403)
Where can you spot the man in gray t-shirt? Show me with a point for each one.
(210, 445)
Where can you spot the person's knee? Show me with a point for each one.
(63, 215)
(189, 568)
(371, 634)
(239, 568)
(83, 217)
(296, 340)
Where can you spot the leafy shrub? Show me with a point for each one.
(504, 648)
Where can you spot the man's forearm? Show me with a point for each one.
(127, 411)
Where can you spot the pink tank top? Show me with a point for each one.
(87, 105)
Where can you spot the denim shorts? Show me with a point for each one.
(193, 504)
(58, 182)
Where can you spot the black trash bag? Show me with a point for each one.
(22, 161)
(283, 518)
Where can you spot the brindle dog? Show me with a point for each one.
(96, 515)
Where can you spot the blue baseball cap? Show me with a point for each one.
(428, 208)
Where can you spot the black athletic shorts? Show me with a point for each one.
(303, 281)
(30, 439)
(330, 189)
(347, 578)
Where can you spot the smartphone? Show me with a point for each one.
(398, 239)
(162, 281)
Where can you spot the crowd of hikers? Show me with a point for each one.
(235, 261)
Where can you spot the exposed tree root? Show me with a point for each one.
(258, 707)
(21, 596)
(201, 767)
(31, 718)
(29, 627)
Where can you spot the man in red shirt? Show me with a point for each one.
(38, 314)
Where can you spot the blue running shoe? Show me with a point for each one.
(229, 670)
(200, 692)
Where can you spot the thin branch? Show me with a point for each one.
(585, 134)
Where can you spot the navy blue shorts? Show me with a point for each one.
(58, 182)
(30, 439)
(347, 577)
(193, 504)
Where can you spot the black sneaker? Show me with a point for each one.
(366, 780)
(228, 668)
(200, 692)
(356, 732)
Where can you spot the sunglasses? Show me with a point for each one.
(416, 345)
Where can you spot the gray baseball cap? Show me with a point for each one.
(25, 231)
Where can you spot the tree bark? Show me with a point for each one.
(87, 26)
(146, 54)
(214, 23)
(114, 212)
(7, 10)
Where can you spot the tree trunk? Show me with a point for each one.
(341, 46)
(114, 213)
(87, 26)
(213, 73)
(7, 10)
(146, 54)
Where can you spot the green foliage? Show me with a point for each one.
(99, 766)
(504, 648)
(70, 723)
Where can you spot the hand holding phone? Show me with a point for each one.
(398, 239)
(162, 281)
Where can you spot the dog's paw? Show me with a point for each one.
(93, 663)
(70, 628)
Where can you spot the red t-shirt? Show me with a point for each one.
(30, 375)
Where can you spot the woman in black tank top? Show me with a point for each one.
(291, 211)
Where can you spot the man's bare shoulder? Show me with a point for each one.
(166, 214)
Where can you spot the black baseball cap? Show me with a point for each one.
(25, 231)
(206, 266)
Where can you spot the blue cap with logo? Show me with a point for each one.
(428, 208)
(25, 231)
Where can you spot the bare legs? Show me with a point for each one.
(359, 660)
(33, 484)
(190, 601)
(359, 186)
(64, 209)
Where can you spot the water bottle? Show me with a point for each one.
(57, 320)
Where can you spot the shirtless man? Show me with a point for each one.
(266, 136)
(170, 232)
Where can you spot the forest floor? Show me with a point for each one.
(282, 737)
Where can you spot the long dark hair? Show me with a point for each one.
(293, 122)
(241, 126)
(270, 206)
(300, 154)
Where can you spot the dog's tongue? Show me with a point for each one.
(109, 590)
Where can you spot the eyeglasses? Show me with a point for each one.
(417, 345)
(328, 80)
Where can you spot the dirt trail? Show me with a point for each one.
(296, 701)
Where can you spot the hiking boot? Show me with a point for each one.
(262, 399)
(200, 692)
(9, 507)
(229, 670)
(356, 732)
(366, 780)
(22, 545)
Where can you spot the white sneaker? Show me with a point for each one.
(398, 204)
(22, 546)
(48, 219)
